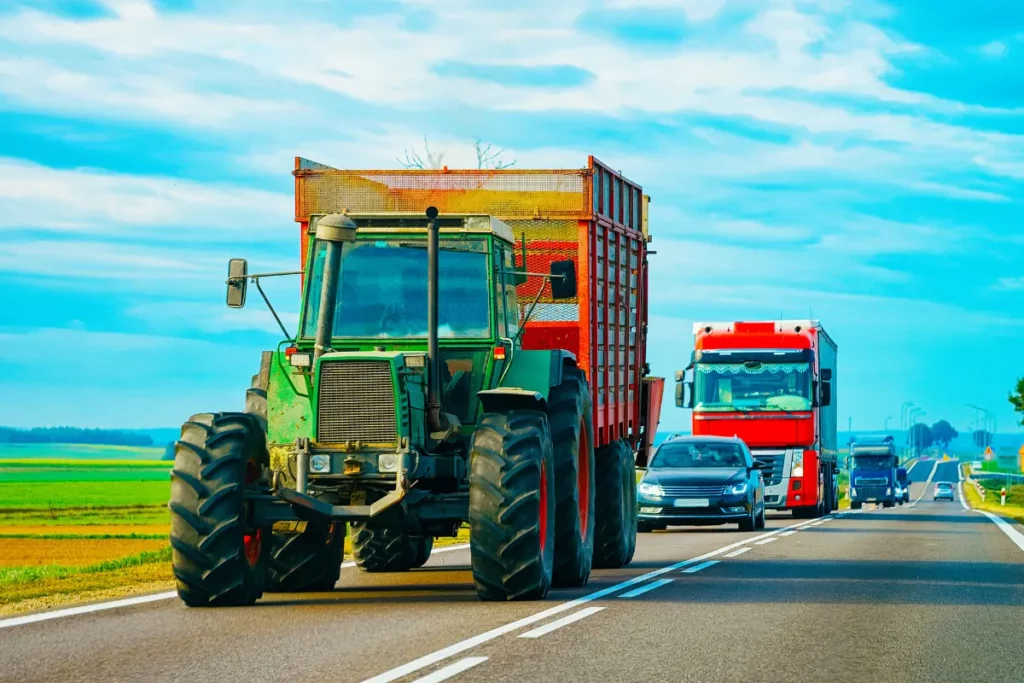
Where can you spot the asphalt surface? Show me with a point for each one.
(925, 592)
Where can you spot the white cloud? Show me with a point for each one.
(695, 10)
(1011, 283)
(97, 202)
(213, 318)
(996, 48)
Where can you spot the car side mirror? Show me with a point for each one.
(760, 465)
(563, 280)
(238, 280)
(826, 394)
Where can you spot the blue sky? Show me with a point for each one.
(858, 161)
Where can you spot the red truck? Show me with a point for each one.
(772, 384)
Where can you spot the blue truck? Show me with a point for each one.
(873, 465)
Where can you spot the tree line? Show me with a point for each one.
(105, 437)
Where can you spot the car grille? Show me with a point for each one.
(356, 403)
(693, 491)
(871, 481)
(776, 460)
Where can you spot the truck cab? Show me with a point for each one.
(873, 463)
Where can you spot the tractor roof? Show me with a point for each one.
(413, 223)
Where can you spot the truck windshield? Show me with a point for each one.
(752, 386)
(698, 454)
(382, 289)
(873, 462)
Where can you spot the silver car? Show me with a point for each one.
(943, 491)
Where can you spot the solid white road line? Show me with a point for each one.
(141, 600)
(646, 589)
(767, 540)
(926, 483)
(1007, 528)
(960, 493)
(740, 551)
(702, 565)
(559, 623)
(434, 657)
(451, 670)
(86, 609)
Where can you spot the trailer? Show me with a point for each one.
(471, 349)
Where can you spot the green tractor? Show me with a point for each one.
(404, 407)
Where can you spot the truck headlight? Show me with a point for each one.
(737, 489)
(388, 462)
(320, 464)
(888, 492)
(798, 465)
(650, 489)
(853, 491)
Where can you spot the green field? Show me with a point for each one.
(22, 451)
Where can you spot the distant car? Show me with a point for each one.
(701, 480)
(943, 491)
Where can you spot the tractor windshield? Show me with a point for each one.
(382, 289)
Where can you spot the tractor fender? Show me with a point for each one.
(528, 380)
(505, 399)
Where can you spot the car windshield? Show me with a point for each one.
(698, 454)
(752, 386)
(382, 289)
(944, 486)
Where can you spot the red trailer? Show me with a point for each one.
(592, 215)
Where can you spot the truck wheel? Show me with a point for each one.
(615, 509)
(422, 547)
(572, 434)
(856, 505)
(308, 560)
(219, 559)
(381, 550)
(512, 506)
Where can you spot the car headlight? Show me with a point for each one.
(650, 489)
(737, 489)
(798, 465)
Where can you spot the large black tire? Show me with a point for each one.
(307, 560)
(512, 506)
(856, 505)
(760, 523)
(615, 509)
(217, 558)
(748, 523)
(422, 547)
(572, 433)
(382, 550)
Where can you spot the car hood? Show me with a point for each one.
(694, 476)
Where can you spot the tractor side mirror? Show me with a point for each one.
(238, 280)
(826, 393)
(563, 280)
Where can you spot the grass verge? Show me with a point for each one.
(1014, 508)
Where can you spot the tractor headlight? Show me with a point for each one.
(320, 464)
(301, 360)
(388, 462)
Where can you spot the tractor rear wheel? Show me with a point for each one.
(572, 433)
(382, 550)
(306, 560)
(615, 509)
(219, 559)
(512, 506)
(422, 547)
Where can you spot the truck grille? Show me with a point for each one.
(692, 491)
(871, 481)
(356, 402)
(777, 462)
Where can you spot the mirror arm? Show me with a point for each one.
(280, 324)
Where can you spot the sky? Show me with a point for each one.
(856, 161)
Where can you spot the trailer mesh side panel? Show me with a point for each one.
(356, 403)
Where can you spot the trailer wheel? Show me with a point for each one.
(572, 433)
(422, 547)
(512, 506)
(615, 509)
(218, 557)
(307, 560)
(381, 550)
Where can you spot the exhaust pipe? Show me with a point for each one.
(435, 420)
(333, 230)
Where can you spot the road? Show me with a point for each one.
(925, 592)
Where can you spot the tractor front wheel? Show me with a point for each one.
(512, 506)
(308, 559)
(382, 550)
(422, 547)
(219, 559)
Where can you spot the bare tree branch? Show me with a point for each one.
(488, 157)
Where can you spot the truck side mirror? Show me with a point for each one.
(563, 280)
(826, 393)
(684, 394)
(680, 375)
(238, 280)
(826, 374)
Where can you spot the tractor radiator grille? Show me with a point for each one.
(356, 403)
